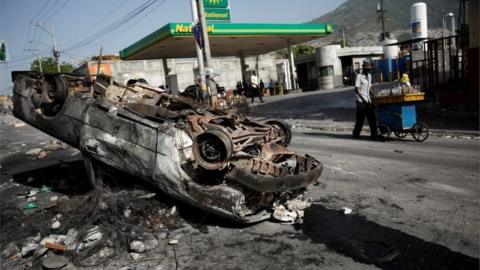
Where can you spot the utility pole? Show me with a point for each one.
(206, 50)
(38, 58)
(201, 62)
(381, 13)
(55, 52)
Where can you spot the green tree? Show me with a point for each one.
(49, 66)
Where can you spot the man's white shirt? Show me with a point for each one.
(363, 83)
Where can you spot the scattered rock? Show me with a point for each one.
(150, 241)
(54, 262)
(347, 211)
(136, 256)
(54, 146)
(29, 249)
(40, 251)
(127, 213)
(53, 238)
(71, 239)
(103, 205)
(173, 242)
(54, 198)
(30, 179)
(10, 250)
(147, 196)
(55, 225)
(33, 152)
(106, 252)
(55, 246)
(137, 246)
(42, 154)
(398, 151)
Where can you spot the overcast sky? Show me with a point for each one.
(74, 20)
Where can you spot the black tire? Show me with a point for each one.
(284, 129)
(212, 149)
(54, 95)
(400, 134)
(384, 131)
(420, 132)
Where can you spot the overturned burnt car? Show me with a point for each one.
(224, 164)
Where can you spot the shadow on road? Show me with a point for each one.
(389, 249)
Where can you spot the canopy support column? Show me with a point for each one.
(291, 62)
(243, 66)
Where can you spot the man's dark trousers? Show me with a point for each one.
(365, 109)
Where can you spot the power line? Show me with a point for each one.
(101, 19)
(65, 2)
(114, 26)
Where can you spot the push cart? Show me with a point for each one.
(398, 114)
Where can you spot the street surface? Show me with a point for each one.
(414, 205)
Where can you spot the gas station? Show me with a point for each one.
(177, 40)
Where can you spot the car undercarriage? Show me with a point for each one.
(222, 163)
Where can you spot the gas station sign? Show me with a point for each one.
(217, 14)
(215, 3)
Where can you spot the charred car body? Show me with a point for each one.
(225, 164)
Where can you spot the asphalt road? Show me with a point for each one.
(415, 205)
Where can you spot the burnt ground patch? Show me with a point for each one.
(387, 248)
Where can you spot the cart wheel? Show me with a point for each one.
(420, 132)
(384, 131)
(400, 134)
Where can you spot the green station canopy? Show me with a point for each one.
(175, 40)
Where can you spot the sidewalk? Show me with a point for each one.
(334, 110)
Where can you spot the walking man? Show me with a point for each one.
(363, 83)
(255, 88)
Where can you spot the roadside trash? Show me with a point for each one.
(33, 152)
(55, 225)
(137, 246)
(147, 196)
(42, 154)
(30, 205)
(54, 198)
(33, 192)
(19, 125)
(54, 262)
(135, 256)
(285, 216)
(45, 189)
(173, 242)
(55, 246)
(30, 179)
(29, 249)
(398, 151)
(347, 211)
(54, 145)
(32, 199)
(10, 250)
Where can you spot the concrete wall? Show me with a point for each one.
(228, 69)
